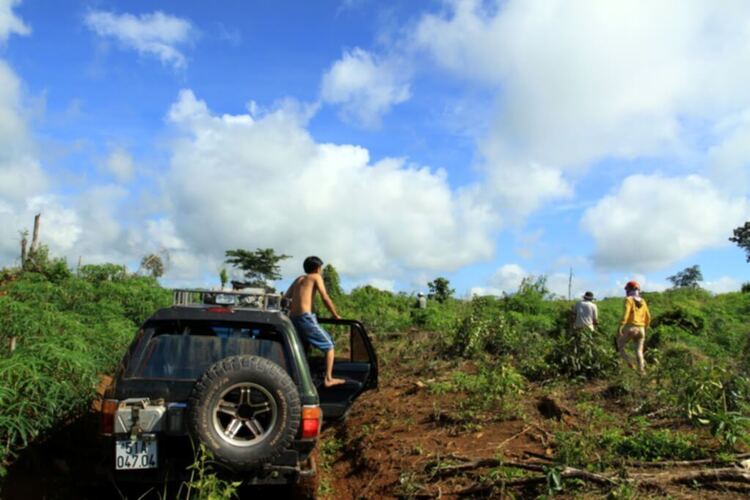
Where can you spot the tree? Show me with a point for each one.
(259, 266)
(440, 289)
(742, 238)
(332, 281)
(223, 277)
(687, 278)
(153, 264)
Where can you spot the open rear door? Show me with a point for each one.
(356, 362)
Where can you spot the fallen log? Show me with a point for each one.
(455, 470)
(707, 477)
(686, 463)
(565, 473)
(732, 474)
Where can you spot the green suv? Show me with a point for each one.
(229, 372)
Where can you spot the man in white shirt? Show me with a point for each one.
(587, 314)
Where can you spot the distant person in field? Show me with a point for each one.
(635, 320)
(302, 293)
(586, 313)
(421, 301)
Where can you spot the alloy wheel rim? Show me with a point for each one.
(245, 414)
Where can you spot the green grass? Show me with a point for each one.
(69, 330)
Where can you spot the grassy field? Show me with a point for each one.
(499, 395)
(458, 373)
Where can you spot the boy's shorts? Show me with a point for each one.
(307, 325)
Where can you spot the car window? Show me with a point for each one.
(185, 349)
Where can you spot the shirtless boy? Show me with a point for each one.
(302, 292)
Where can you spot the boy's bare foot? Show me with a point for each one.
(331, 382)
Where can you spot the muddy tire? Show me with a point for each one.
(246, 410)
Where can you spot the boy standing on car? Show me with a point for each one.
(302, 293)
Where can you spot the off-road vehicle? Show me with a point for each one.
(228, 370)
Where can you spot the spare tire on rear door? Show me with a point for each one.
(246, 410)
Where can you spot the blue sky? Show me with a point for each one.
(482, 141)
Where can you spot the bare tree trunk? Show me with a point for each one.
(35, 234)
(12, 344)
(24, 256)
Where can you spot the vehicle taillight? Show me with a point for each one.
(107, 421)
(311, 418)
(220, 310)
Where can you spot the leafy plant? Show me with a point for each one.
(205, 482)
(488, 387)
(581, 352)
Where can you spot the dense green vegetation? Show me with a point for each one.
(69, 329)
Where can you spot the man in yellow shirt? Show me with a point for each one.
(635, 320)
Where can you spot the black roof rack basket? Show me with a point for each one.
(250, 298)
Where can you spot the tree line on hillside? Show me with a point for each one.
(261, 266)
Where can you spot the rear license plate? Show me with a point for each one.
(138, 454)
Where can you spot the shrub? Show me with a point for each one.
(97, 273)
(381, 311)
(491, 384)
(688, 319)
(486, 329)
(579, 352)
(611, 445)
(650, 444)
(706, 393)
(530, 297)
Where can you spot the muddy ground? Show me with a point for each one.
(396, 440)
(404, 440)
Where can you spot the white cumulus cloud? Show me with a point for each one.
(724, 284)
(120, 164)
(157, 34)
(729, 159)
(581, 80)
(244, 181)
(505, 280)
(21, 177)
(577, 81)
(653, 221)
(366, 86)
(20, 173)
(9, 22)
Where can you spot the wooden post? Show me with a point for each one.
(35, 234)
(570, 284)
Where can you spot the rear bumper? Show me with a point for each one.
(176, 454)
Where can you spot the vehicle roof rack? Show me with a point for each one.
(246, 298)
